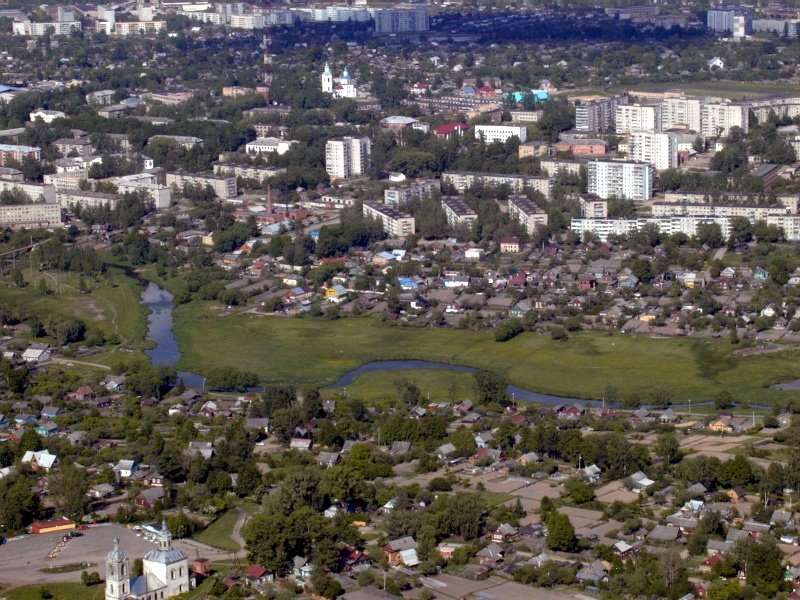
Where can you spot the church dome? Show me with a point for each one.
(116, 555)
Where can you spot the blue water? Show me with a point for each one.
(166, 352)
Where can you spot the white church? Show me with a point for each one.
(165, 572)
(340, 87)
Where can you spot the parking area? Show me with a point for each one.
(21, 560)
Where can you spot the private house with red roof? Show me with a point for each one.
(451, 129)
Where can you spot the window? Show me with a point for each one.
(122, 572)
(172, 574)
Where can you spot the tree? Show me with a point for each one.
(668, 448)
(561, 533)
(491, 386)
(580, 491)
(68, 486)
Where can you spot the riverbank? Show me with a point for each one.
(319, 352)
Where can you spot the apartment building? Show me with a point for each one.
(593, 207)
(597, 114)
(401, 194)
(603, 228)
(500, 133)
(621, 179)
(582, 146)
(464, 180)
(100, 98)
(553, 167)
(781, 27)
(660, 149)
(125, 28)
(347, 157)
(259, 173)
(526, 116)
(69, 199)
(39, 215)
(719, 118)
(637, 117)
(782, 107)
(18, 153)
(9, 174)
(66, 181)
(35, 191)
(789, 223)
(224, 187)
(78, 146)
(458, 212)
(401, 20)
(526, 213)
(159, 194)
(789, 201)
(186, 142)
(754, 212)
(681, 112)
(248, 21)
(394, 222)
(41, 29)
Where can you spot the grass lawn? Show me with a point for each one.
(112, 305)
(60, 591)
(218, 534)
(318, 352)
(435, 385)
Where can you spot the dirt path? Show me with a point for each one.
(236, 533)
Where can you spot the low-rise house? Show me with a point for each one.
(50, 412)
(399, 448)
(41, 459)
(328, 459)
(149, 498)
(783, 518)
(392, 550)
(301, 439)
(47, 429)
(505, 534)
(4, 422)
(594, 572)
(257, 424)
(445, 451)
(100, 491)
(204, 449)
(256, 575)
(641, 481)
(490, 556)
(302, 569)
(447, 549)
(736, 494)
(728, 424)
(36, 355)
(592, 472)
(664, 533)
(125, 469)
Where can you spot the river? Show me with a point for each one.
(167, 353)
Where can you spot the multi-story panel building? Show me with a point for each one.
(463, 180)
(593, 207)
(35, 191)
(757, 212)
(782, 107)
(401, 20)
(347, 156)
(259, 173)
(224, 187)
(789, 201)
(161, 195)
(458, 212)
(630, 180)
(553, 167)
(527, 213)
(394, 222)
(598, 114)
(720, 20)
(40, 215)
(71, 199)
(100, 98)
(603, 228)
(124, 28)
(18, 153)
(638, 117)
(500, 133)
(681, 112)
(186, 142)
(42, 29)
(781, 27)
(248, 21)
(660, 149)
(719, 118)
(402, 194)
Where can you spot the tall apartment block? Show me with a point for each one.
(626, 179)
(347, 156)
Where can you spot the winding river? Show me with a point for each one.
(167, 353)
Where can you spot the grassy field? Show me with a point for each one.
(60, 591)
(436, 385)
(318, 352)
(735, 90)
(112, 305)
(218, 534)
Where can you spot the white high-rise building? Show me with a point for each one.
(401, 20)
(621, 179)
(718, 119)
(340, 87)
(681, 112)
(500, 133)
(638, 117)
(660, 149)
(347, 156)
